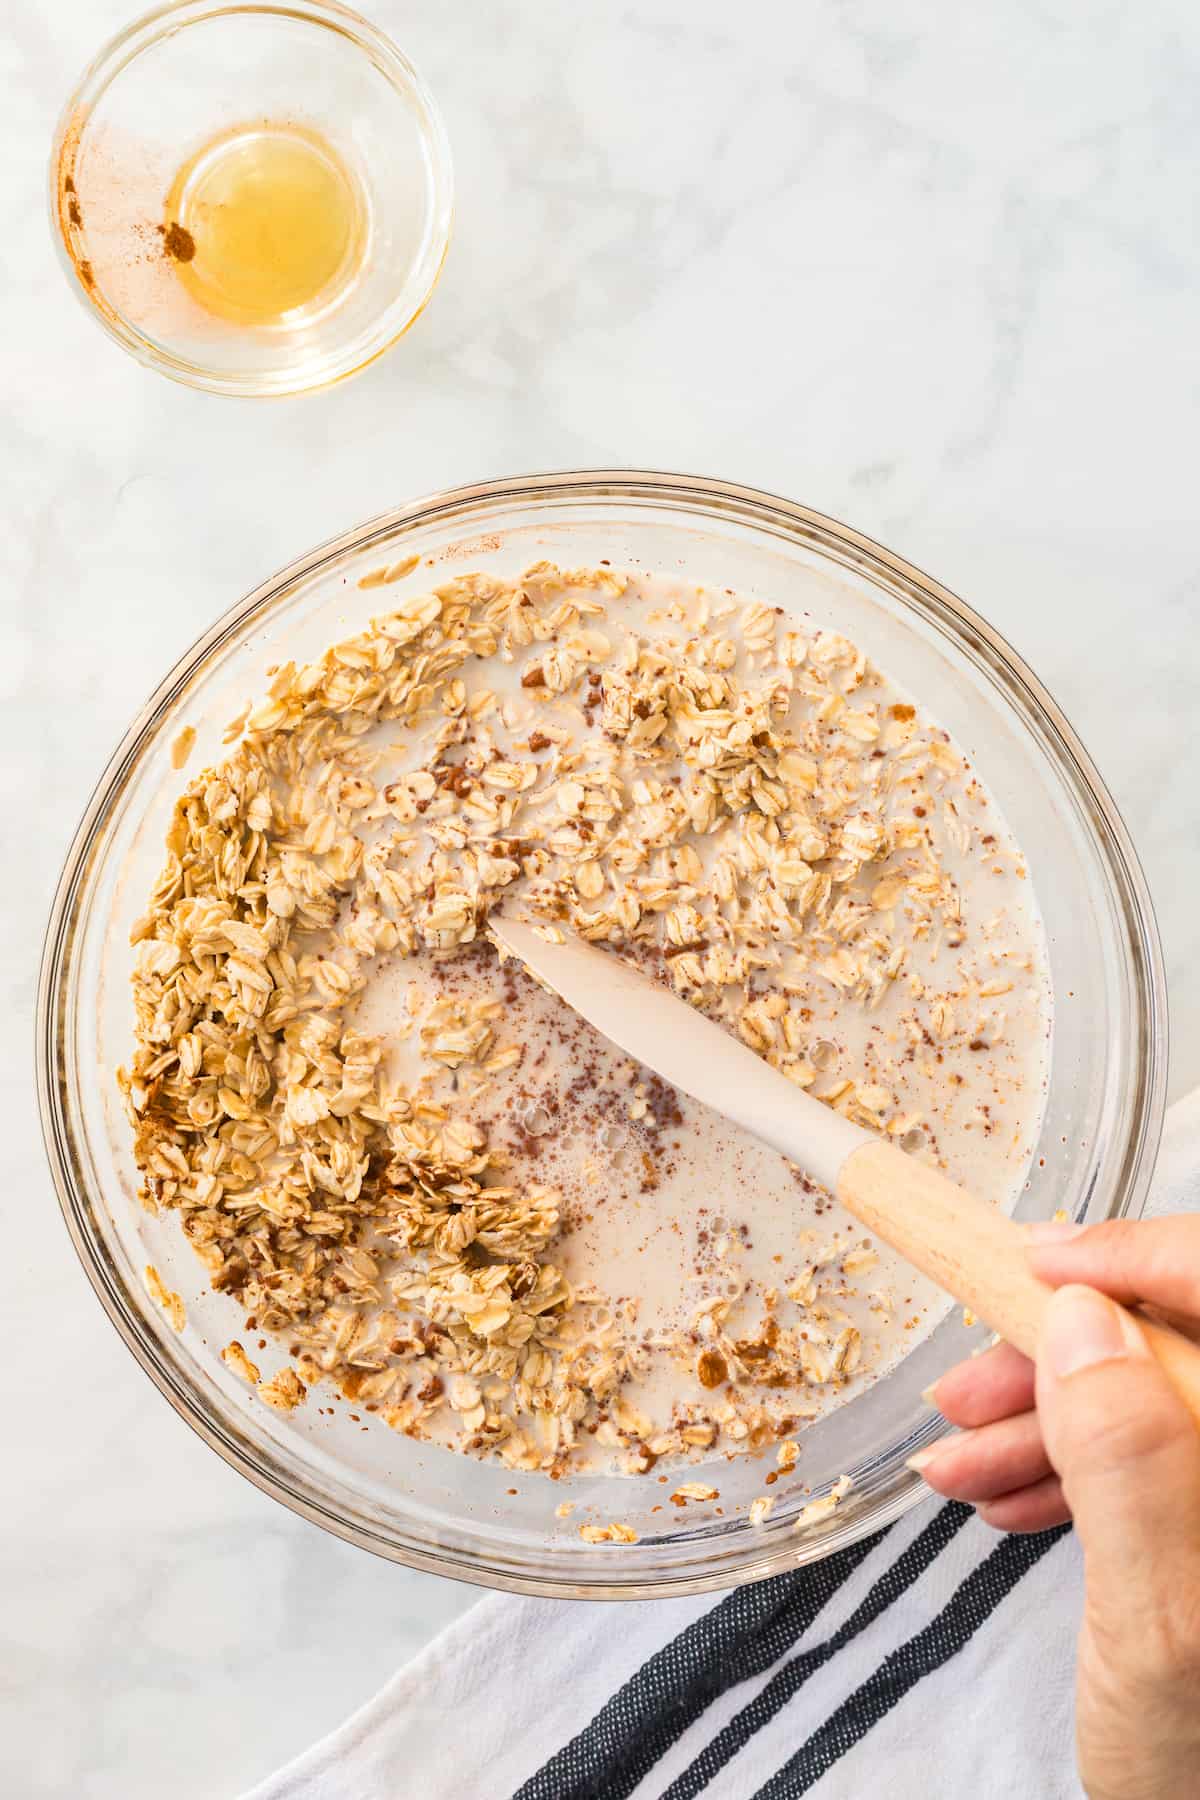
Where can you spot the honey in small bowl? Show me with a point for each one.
(266, 224)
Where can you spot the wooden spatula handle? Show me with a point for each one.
(976, 1253)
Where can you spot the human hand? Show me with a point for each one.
(1097, 1433)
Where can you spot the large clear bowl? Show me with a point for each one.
(426, 1506)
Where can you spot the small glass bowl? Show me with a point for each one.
(173, 83)
(415, 1502)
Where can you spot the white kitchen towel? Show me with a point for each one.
(933, 1660)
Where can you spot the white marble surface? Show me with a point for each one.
(931, 268)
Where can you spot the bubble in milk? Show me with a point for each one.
(535, 1119)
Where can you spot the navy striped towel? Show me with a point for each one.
(932, 1660)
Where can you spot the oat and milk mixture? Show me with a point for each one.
(441, 1193)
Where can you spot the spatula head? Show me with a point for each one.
(643, 1017)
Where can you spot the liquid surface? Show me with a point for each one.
(668, 1208)
(446, 1195)
(264, 223)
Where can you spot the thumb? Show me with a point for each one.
(1128, 1454)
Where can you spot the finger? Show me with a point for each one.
(1128, 1454)
(1152, 1259)
(1036, 1508)
(986, 1387)
(983, 1464)
(1183, 1323)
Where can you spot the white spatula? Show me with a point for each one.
(970, 1249)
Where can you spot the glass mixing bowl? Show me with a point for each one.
(430, 1507)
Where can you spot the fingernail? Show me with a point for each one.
(929, 1396)
(921, 1459)
(1083, 1328)
(1052, 1231)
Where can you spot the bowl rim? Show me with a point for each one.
(141, 35)
(593, 1580)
